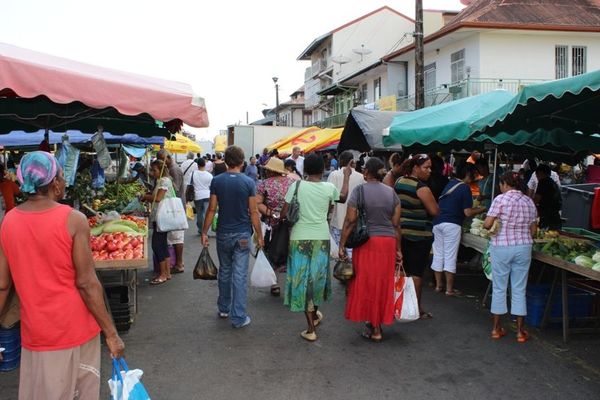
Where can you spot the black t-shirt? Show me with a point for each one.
(550, 200)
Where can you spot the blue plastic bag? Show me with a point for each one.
(125, 384)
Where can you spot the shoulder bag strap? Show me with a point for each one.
(296, 191)
(452, 189)
(188, 168)
(162, 169)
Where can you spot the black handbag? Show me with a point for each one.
(343, 271)
(360, 234)
(205, 267)
(190, 192)
(293, 214)
(277, 242)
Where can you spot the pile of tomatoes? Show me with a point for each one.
(117, 246)
(92, 221)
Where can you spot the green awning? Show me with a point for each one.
(444, 123)
(564, 105)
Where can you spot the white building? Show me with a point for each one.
(344, 51)
(490, 44)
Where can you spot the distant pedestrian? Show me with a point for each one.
(219, 165)
(45, 252)
(371, 290)
(290, 167)
(188, 166)
(548, 199)
(308, 283)
(235, 195)
(209, 163)
(252, 170)
(394, 173)
(298, 159)
(201, 181)
(510, 252)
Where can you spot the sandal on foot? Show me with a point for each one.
(439, 289)
(523, 337)
(454, 292)
(275, 291)
(425, 315)
(311, 337)
(497, 334)
(158, 281)
(178, 270)
(319, 318)
(369, 336)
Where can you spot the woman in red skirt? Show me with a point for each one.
(371, 291)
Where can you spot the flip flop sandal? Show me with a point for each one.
(157, 281)
(178, 270)
(454, 293)
(311, 337)
(369, 336)
(425, 315)
(523, 338)
(439, 289)
(498, 334)
(319, 318)
(276, 291)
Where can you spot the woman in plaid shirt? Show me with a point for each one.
(510, 251)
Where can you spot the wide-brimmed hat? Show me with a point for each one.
(276, 165)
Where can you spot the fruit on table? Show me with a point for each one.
(569, 250)
(118, 246)
(584, 261)
(119, 225)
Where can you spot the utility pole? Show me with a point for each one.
(419, 58)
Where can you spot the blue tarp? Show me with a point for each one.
(23, 139)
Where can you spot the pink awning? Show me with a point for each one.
(29, 74)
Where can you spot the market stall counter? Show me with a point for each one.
(561, 266)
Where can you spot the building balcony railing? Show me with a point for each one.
(318, 67)
(335, 121)
(465, 88)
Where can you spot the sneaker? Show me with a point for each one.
(245, 323)
(223, 315)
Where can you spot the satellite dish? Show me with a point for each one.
(340, 60)
(363, 51)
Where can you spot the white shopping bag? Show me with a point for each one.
(125, 384)
(262, 274)
(334, 250)
(254, 242)
(406, 305)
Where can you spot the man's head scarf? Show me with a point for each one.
(36, 170)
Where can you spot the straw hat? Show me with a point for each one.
(276, 165)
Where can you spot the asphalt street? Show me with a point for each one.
(186, 352)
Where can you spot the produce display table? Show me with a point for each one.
(128, 270)
(562, 267)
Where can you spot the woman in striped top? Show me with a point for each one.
(418, 209)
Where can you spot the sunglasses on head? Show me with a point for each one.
(421, 159)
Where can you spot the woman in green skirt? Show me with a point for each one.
(308, 282)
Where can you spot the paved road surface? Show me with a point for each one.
(187, 353)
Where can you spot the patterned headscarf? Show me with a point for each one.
(36, 170)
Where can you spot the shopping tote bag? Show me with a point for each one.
(170, 215)
(406, 305)
(262, 274)
(125, 384)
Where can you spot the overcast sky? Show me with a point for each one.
(227, 50)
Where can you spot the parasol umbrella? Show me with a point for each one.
(182, 144)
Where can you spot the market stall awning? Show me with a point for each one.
(312, 140)
(182, 144)
(43, 91)
(286, 140)
(566, 105)
(444, 123)
(26, 140)
(364, 130)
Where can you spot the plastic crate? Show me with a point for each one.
(577, 204)
(580, 303)
(10, 339)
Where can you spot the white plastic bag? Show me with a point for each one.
(254, 241)
(334, 250)
(125, 384)
(262, 274)
(406, 305)
(170, 215)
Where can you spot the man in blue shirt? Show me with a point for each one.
(235, 195)
(252, 170)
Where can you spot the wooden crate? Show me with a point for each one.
(125, 264)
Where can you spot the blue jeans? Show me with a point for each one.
(201, 207)
(513, 262)
(234, 252)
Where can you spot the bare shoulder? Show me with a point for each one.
(77, 220)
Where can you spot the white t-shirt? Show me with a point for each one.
(339, 209)
(202, 180)
(533, 181)
(209, 166)
(187, 167)
(299, 164)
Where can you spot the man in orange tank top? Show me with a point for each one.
(45, 252)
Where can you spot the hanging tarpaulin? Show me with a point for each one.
(68, 158)
(137, 152)
(98, 179)
(123, 164)
(181, 145)
(285, 141)
(101, 150)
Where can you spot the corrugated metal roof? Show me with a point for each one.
(552, 15)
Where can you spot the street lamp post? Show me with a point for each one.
(275, 79)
